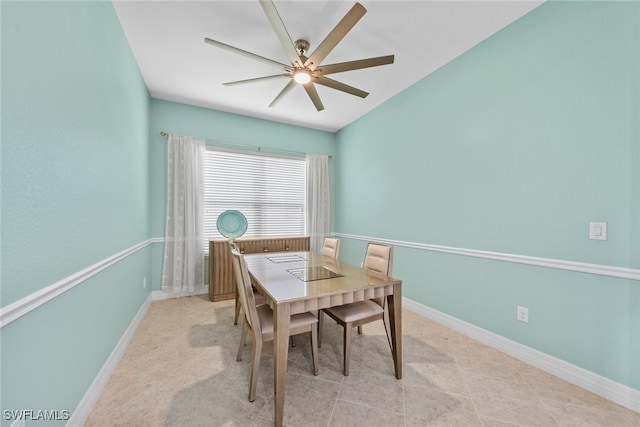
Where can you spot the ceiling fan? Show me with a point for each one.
(308, 70)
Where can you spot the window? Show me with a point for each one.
(270, 191)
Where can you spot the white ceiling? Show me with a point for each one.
(167, 40)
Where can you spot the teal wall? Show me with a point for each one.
(199, 122)
(515, 147)
(75, 191)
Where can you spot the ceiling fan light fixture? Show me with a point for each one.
(302, 76)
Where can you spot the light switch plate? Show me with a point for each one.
(598, 230)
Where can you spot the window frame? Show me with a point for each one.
(268, 208)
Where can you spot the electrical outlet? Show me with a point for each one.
(523, 314)
(144, 283)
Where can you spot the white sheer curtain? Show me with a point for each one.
(183, 269)
(318, 202)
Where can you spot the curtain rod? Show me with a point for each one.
(259, 148)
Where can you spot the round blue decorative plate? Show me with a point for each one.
(231, 224)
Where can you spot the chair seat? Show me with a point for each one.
(297, 320)
(355, 311)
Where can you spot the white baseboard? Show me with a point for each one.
(619, 393)
(82, 411)
(160, 295)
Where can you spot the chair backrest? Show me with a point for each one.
(331, 248)
(245, 291)
(379, 258)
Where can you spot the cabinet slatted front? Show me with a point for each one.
(221, 282)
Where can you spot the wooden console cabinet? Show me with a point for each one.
(221, 282)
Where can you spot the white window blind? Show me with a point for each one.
(269, 191)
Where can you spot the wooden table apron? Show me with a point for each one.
(287, 295)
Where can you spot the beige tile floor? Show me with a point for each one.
(180, 370)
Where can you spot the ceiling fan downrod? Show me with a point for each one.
(302, 46)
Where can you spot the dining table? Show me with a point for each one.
(298, 282)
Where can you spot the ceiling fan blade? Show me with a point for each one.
(257, 79)
(247, 54)
(313, 94)
(334, 37)
(283, 92)
(326, 81)
(354, 65)
(281, 31)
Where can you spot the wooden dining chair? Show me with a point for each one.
(258, 298)
(378, 259)
(331, 247)
(258, 322)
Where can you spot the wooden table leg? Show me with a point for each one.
(395, 320)
(281, 349)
